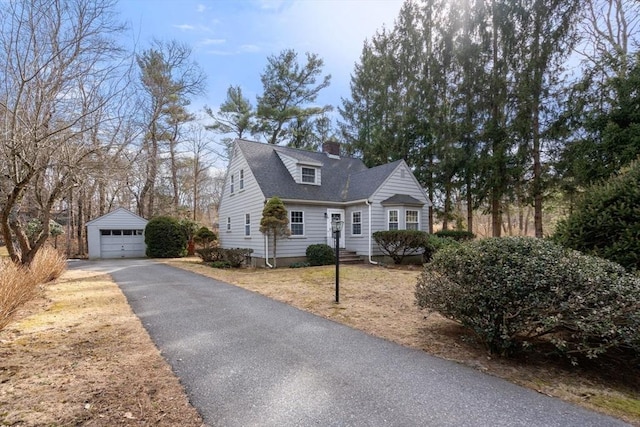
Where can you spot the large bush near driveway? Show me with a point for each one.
(399, 244)
(514, 291)
(165, 238)
(606, 221)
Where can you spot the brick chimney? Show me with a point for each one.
(331, 147)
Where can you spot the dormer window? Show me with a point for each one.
(308, 175)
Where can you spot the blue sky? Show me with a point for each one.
(231, 40)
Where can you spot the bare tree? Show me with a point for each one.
(60, 68)
(199, 156)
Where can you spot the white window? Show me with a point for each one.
(412, 220)
(231, 185)
(297, 223)
(309, 175)
(228, 223)
(247, 224)
(392, 223)
(241, 179)
(356, 223)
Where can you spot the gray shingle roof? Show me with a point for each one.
(344, 179)
(402, 199)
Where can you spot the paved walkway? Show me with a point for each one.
(246, 360)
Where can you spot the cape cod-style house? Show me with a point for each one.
(316, 187)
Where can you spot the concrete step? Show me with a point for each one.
(349, 257)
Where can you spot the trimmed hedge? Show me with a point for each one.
(459, 235)
(399, 244)
(320, 254)
(513, 291)
(165, 238)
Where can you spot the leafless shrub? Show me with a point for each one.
(19, 284)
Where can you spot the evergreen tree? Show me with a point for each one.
(235, 118)
(274, 222)
(289, 90)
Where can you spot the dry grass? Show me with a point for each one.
(381, 302)
(77, 355)
(19, 284)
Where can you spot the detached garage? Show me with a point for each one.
(118, 234)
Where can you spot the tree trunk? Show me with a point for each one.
(274, 250)
(469, 206)
(447, 206)
(496, 216)
(80, 224)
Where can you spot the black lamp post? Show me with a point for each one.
(336, 227)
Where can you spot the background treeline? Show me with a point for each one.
(499, 107)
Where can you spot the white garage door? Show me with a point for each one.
(121, 244)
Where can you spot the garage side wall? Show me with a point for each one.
(93, 239)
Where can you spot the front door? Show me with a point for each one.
(335, 214)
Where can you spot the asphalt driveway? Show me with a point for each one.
(246, 360)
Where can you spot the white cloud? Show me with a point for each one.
(185, 27)
(201, 8)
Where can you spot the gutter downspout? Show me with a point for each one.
(266, 250)
(370, 260)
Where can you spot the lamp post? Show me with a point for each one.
(336, 227)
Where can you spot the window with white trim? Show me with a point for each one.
(247, 224)
(392, 219)
(356, 223)
(412, 220)
(241, 183)
(228, 223)
(296, 223)
(231, 185)
(308, 175)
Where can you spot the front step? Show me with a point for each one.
(349, 257)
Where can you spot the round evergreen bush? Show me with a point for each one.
(320, 254)
(165, 238)
(606, 221)
(205, 237)
(513, 291)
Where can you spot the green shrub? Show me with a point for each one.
(320, 254)
(237, 256)
(513, 291)
(205, 237)
(232, 257)
(399, 244)
(459, 235)
(299, 265)
(165, 238)
(606, 221)
(434, 244)
(220, 264)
